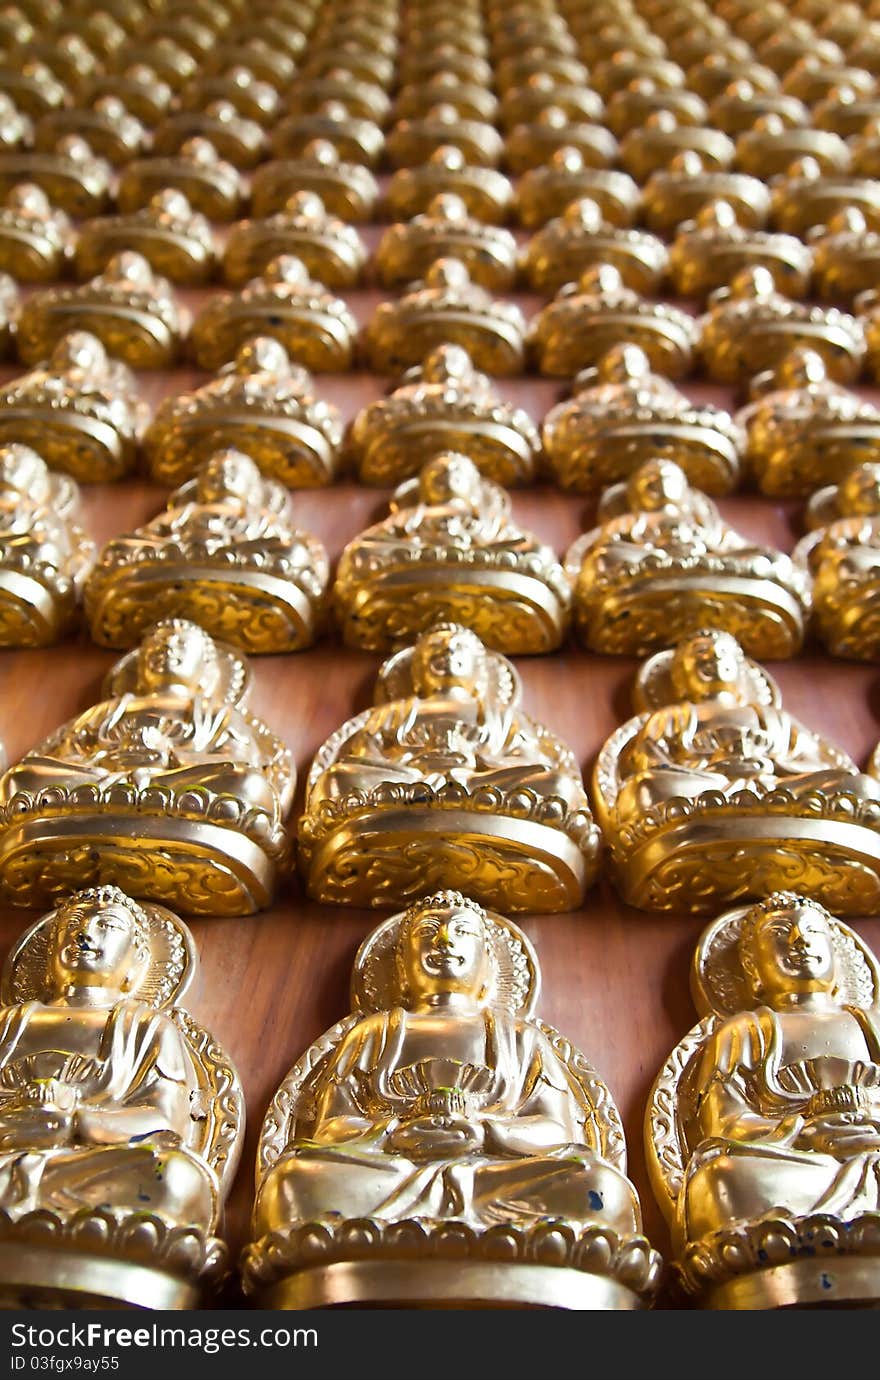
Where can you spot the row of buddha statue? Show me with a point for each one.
(441, 1145)
(170, 787)
(749, 326)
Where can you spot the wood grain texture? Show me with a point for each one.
(614, 979)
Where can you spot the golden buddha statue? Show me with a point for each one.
(803, 429)
(741, 105)
(139, 87)
(168, 787)
(348, 190)
(471, 99)
(438, 1120)
(331, 249)
(238, 140)
(316, 328)
(487, 193)
(450, 549)
(676, 193)
(131, 311)
(849, 110)
(249, 76)
(447, 777)
(365, 100)
(586, 318)
(225, 552)
(808, 195)
(356, 140)
(763, 1127)
(543, 192)
(36, 239)
(525, 101)
(842, 554)
(846, 255)
(622, 414)
(530, 145)
(652, 146)
(45, 556)
(447, 308)
(411, 142)
(71, 175)
(711, 249)
(261, 404)
(122, 1119)
(771, 147)
(445, 230)
(210, 184)
(580, 238)
(750, 326)
(444, 405)
(79, 409)
(175, 240)
(111, 131)
(714, 771)
(662, 561)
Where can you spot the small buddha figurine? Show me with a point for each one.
(122, 1119)
(210, 184)
(763, 1126)
(442, 405)
(332, 251)
(804, 429)
(168, 787)
(407, 250)
(530, 145)
(650, 147)
(348, 190)
(438, 1115)
(71, 175)
(543, 192)
(133, 312)
(451, 549)
(487, 193)
(238, 141)
(738, 108)
(771, 147)
(36, 238)
(175, 240)
(110, 130)
(525, 102)
(711, 249)
(355, 140)
(846, 255)
(411, 142)
(662, 555)
(580, 238)
(365, 100)
(447, 307)
(249, 83)
(848, 108)
(842, 553)
(260, 403)
(139, 87)
(45, 555)
(80, 408)
(750, 326)
(622, 414)
(316, 328)
(714, 771)
(225, 551)
(807, 195)
(676, 194)
(586, 318)
(625, 66)
(447, 777)
(471, 99)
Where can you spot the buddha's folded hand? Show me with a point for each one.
(436, 1137)
(35, 1128)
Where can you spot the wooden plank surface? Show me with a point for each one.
(614, 979)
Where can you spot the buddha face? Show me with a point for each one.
(708, 665)
(174, 654)
(228, 474)
(95, 944)
(444, 950)
(790, 950)
(449, 659)
(448, 478)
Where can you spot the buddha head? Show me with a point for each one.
(444, 950)
(450, 659)
(709, 664)
(79, 351)
(100, 940)
(451, 478)
(23, 473)
(858, 494)
(228, 474)
(177, 655)
(657, 486)
(786, 948)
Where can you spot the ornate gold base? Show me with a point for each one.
(30, 616)
(389, 856)
(283, 448)
(788, 1262)
(93, 1260)
(708, 857)
(89, 450)
(249, 609)
(427, 1263)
